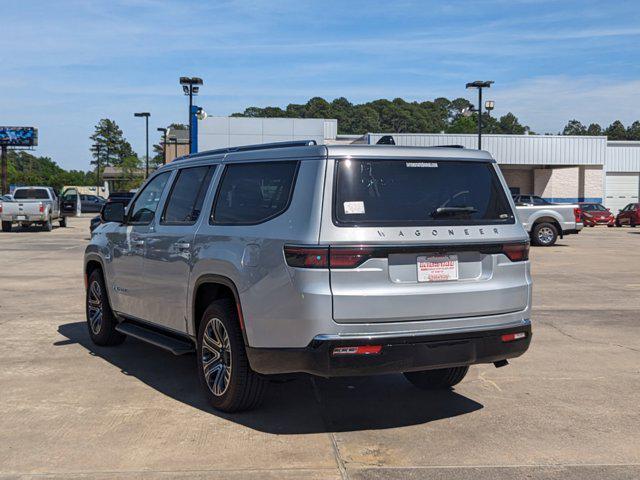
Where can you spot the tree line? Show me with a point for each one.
(395, 116)
(615, 131)
(380, 116)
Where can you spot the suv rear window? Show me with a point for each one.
(419, 192)
(31, 193)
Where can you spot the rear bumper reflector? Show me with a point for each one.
(511, 337)
(358, 350)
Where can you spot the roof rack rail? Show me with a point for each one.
(249, 148)
(447, 146)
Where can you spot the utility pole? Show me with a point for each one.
(479, 84)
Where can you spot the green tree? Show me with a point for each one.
(594, 130)
(113, 146)
(633, 132)
(131, 173)
(574, 127)
(616, 131)
(24, 168)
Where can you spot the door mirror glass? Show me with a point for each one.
(113, 212)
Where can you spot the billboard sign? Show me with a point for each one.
(18, 136)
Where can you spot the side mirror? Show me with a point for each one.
(113, 212)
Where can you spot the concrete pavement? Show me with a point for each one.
(567, 409)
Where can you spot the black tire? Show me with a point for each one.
(102, 329)
(544, 234)
(618, 224)
(230, 385)
(437, 379)
(6, 226)
(48, 225)
(632, 223)
(63, 222)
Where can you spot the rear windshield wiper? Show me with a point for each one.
(441, 211)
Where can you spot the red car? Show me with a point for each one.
(596, 214)
(629, 215)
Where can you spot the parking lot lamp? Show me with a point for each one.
(480, 84)
(146, 116)
(190, 87)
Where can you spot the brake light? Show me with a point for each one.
(576, 214)
(348, 257)
(516, 252)
(0, 207)
(358, 350)
(42, 208)
(307, 257)
(511, 337)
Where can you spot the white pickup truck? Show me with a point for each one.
(546, 221)
(35, 206)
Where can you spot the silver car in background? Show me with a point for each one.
(329, 260)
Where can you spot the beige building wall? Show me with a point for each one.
(518, 178)
(182, 149)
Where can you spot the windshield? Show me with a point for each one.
(592, 207)
(419, 192)
(31, 193)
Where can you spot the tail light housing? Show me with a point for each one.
(577, 214)
(325, 257)
(0, 207)
(516, 252)
(42, 208)
(307, 257)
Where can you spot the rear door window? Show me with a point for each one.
(419, 192)
(187, 195)
(252, 193)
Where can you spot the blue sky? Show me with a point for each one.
(66, 64)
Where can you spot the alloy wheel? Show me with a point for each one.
(545, 235)
(216, 357)
(95, 307)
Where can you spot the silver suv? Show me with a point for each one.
(330, 260)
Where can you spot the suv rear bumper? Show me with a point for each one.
(398, 354)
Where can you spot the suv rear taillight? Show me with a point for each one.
(577, 213)
(307, 257)
(516, 252)
(0, 207)
(325, 257)
(42, 208)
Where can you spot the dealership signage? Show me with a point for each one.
(18, 136)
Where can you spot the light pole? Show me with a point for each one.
(164, 144)
(190, 87)
(146, 116)
(479, 84)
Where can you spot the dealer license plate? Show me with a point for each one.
(21, 217)
(437, 268)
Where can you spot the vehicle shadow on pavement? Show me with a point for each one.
(299, 405)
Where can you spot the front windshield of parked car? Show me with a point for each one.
(592, 207)
(419, 192)
(31, 194)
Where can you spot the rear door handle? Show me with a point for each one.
(137, 243)
(183, 245)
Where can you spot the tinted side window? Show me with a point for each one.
(254, 192)
(187, 195)
(145, 206)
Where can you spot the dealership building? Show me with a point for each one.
(556, 167)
